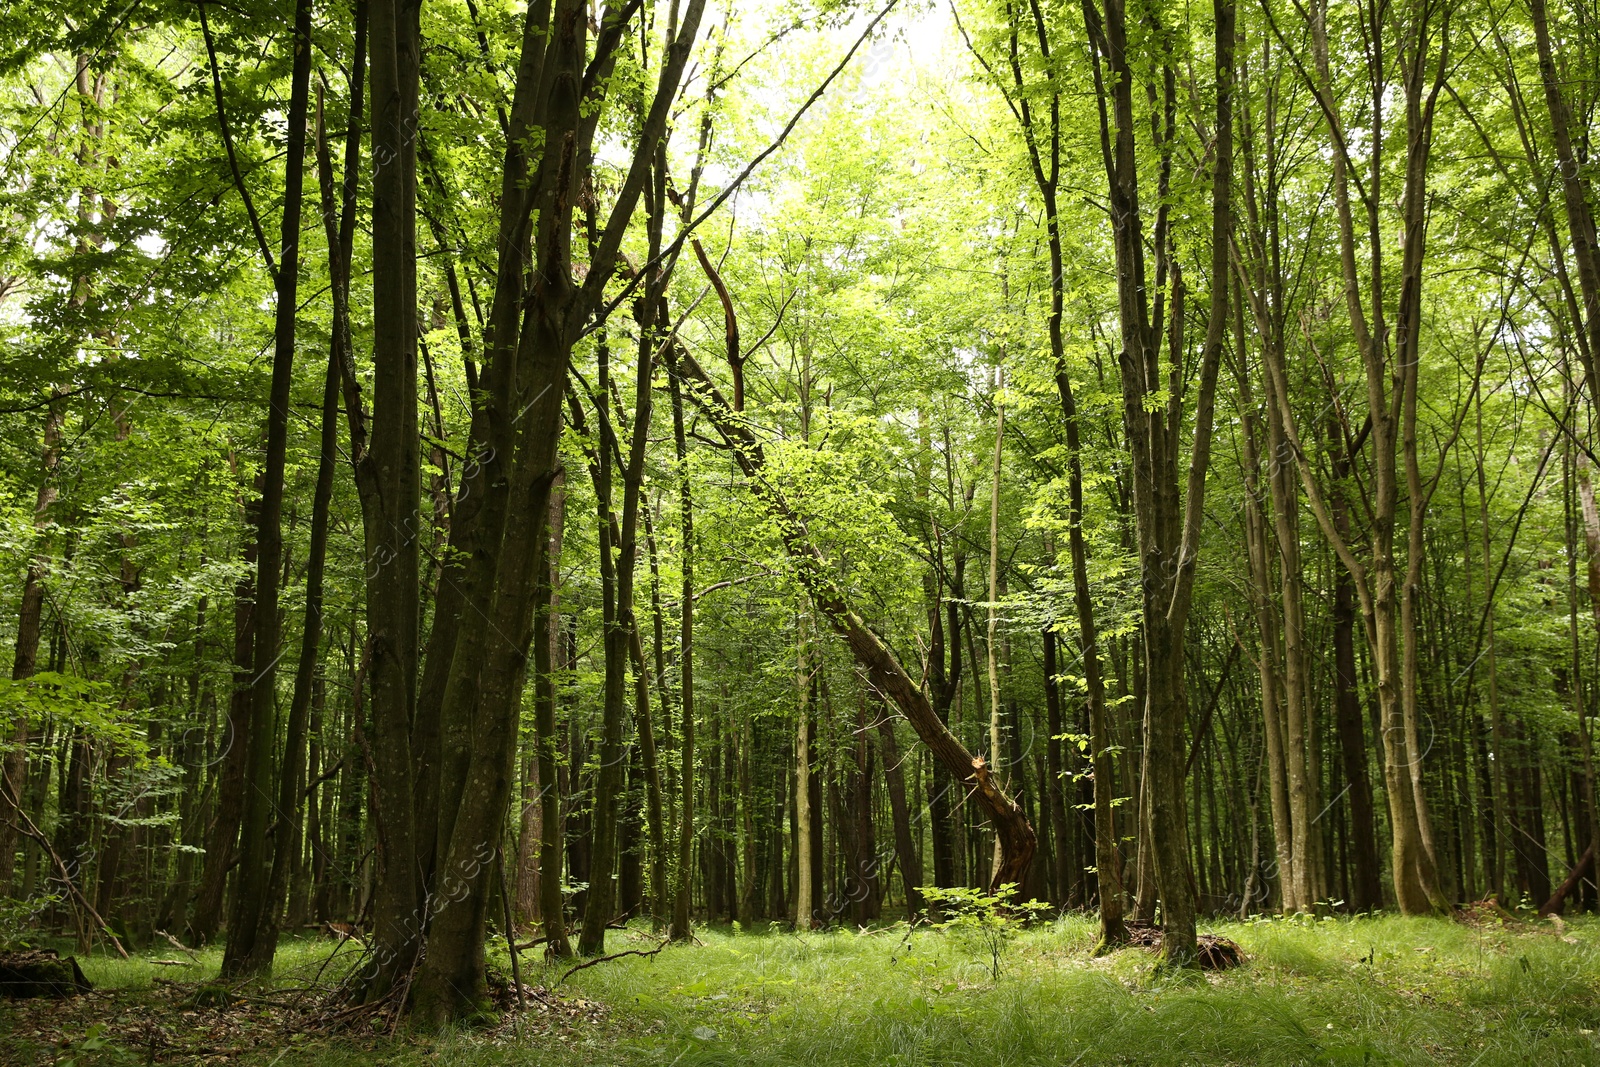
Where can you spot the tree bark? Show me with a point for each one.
(992, 636)
(805, 907)
(1366, 893)
(904, 840)
(1300, 730)
(224, 829)
(391, 504)
(252, 931)
(1275, 766)
(452, 981)
(683, 887)
(547, 655)
(30, 620)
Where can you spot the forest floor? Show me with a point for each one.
(1368, 990)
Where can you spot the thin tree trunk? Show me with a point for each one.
(904, 842)
(224, 830)
(864, 886)
(1066, 859)
(749, 899)
(1497, 732)
(1276, 766)
(615, 587)
(253, 926)
(1366, 892)
(681, 896)
(291, 799)
(1590, 517)
(547, 654)
(805, 684)
(650, 768)
(1299, 711)
(530, 825)
(991, 644)
(30, 619)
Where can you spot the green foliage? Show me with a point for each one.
(64, 699)
(19, 918)
(982, 920)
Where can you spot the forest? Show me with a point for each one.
(846, 531)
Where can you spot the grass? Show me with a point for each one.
(1369, 990)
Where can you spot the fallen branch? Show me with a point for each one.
(32, 831)
(179, 945)
(1558, 899)
(316, 981)
(614, 956)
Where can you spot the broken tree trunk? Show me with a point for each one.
(40, 973)
(883, 670)
(1558, 899)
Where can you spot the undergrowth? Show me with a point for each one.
(1367, 990)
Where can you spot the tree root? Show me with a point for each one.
(1212, 953)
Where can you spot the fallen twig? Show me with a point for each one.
(316, 982)
(179, 945)
(614, 956)
(33, 832)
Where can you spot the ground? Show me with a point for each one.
(1368, 990)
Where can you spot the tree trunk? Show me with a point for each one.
(805, 684)
(682, 889)
(224, 831)
(1300, 733)
(547, 655)
(1497, 761)
(391, 506)
(904, 843)
(1168, 527)
(616, 589)
(1366, 894)
(863, 886)
(253, 926)
(992, 637)
(30, 619)
(1067, 862)
(1260, 567)
(291, 796)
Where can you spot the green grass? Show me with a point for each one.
(1348, 991)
